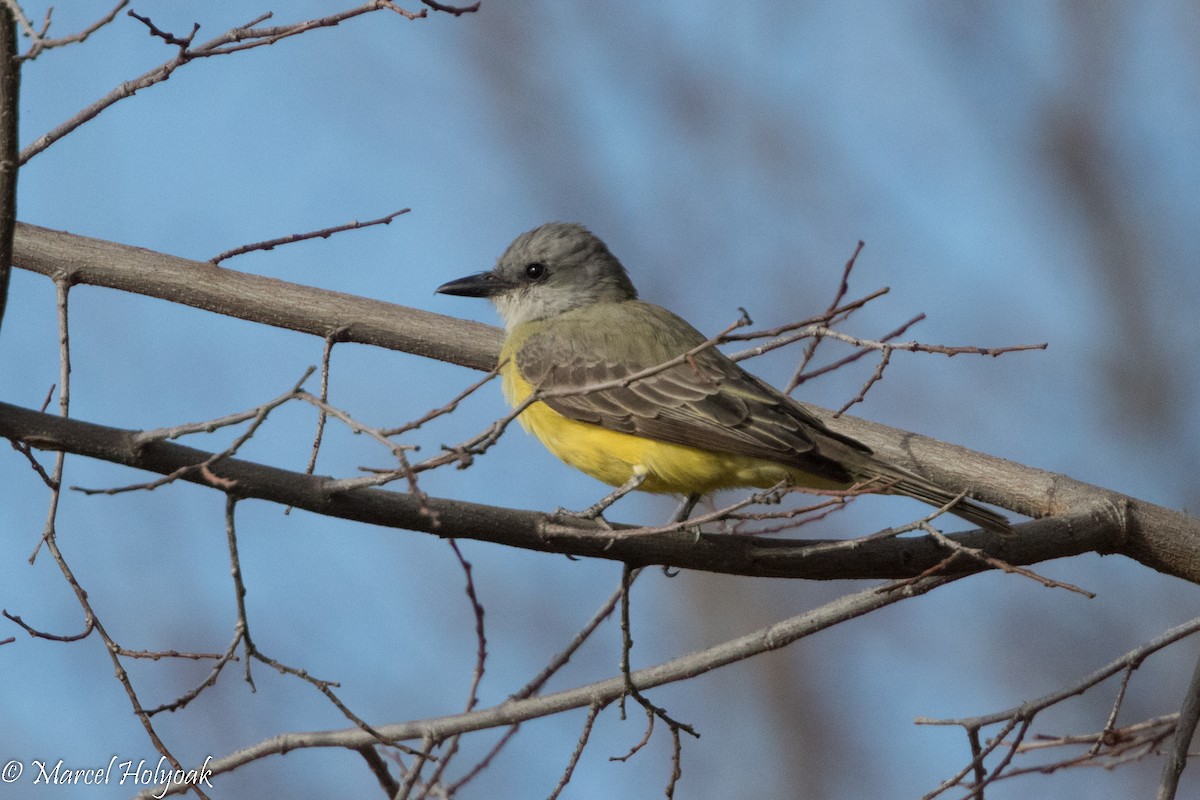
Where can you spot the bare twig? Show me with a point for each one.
(324, 233)
(158, 655)
(413, 773)
(1185, 728)
(380, 770)
(1020, 717)
(50, 540)
(322, 415)
(885, 355)
(61, 292)
(773, 637)
(1122, 745)
(593, 712)
(919, 347)
(208, 426)
(1110, 724)
(88, 627)
(676, 763)
(535, 685)
(257, 417)
(476, 675)
(811, 349)
(828, 318)
(243, 638)
(447, 408)
(996, 563)
(456, 11)
(24, 449)
(233, 40)
(628, 575)
(326, 356)
(630, 689)
(39, 39)
(833, 366)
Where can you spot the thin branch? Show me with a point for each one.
(811, 349)
(772, 637)
(593, 712)
(413, 773)
(1185, 728)
(1123, 745)
(442, 410)
(771, 495)
(158, 655)
(833, 366)
(204, 469)
(476, 674)
(380, 770)
(885, 356)
(828, 318)
(233, 40)
(236, 418)
(998, 563)
(39, 39)
(89, 626)
(919, 347)
(61, 294)
(1020, 717)
(1110, 724)
(1133, 658)
(534, 686)
(322, 415)
(50, 540)
(324, 233)
(214, 672)
(25, 450)
(456, 11)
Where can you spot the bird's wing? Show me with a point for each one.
(705, 401)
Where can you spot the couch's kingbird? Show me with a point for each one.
(574, 322)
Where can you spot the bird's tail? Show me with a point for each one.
(893, 480)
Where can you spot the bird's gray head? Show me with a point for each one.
(557, 267)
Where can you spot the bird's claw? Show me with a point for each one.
(593, 513)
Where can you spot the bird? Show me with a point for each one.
(576, 332)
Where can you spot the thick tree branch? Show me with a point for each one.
(251, 297)
(1160, 538)
(891, 557)
(10, 85)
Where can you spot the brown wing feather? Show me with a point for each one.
(707, 401)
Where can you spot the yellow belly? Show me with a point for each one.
(614, 457)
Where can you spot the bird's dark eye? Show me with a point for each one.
(535, 271)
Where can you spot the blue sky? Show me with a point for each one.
(1020, 172)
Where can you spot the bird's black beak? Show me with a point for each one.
(481, 284)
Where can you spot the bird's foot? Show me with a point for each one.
(595, 512)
